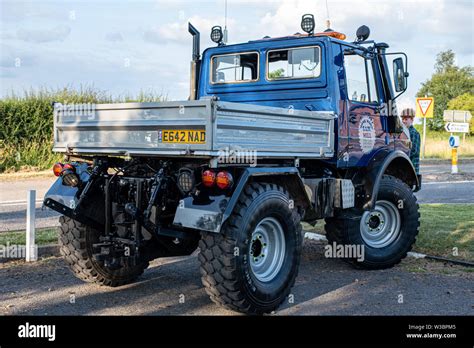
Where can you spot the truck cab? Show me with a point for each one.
(317, 71)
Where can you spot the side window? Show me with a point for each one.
(235, 68)
(360, 79)
(294, 63)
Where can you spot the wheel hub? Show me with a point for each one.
(257, 247)
(380, 227)
(375, 221)
(267, 249)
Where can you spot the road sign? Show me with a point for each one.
(454, 141)
(457, 127)
(424, 107)
(457, 116)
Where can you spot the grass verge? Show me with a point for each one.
(437, 145)
(43, 237)
(445, 230)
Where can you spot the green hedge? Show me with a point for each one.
(26, 123)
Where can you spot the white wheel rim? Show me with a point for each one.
(381, 226)
(267, 249)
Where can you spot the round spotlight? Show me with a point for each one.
(216, 34)
(70, 179)
(186, 180)
(362, 33)
(307, 23)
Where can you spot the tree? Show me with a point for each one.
(464, 102)
(276, 73)
(448, 82)
(445, 61)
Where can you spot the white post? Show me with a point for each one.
(31, 254)
(424, 139)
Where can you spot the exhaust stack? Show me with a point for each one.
(195, 63)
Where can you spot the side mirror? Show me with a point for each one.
(399, 75)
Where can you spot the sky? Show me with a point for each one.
(126, 46)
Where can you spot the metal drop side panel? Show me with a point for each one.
(274, 131)
(130, 128)
(136, 129)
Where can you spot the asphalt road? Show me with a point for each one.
(446, 192)
(172, 287)
(438, 187)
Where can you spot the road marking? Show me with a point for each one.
(19, 201)
(16, 203)
(447, 182)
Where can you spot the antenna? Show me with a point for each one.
(225, 23)
(328, 21)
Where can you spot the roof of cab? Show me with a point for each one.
(329, 33)
(291, 39)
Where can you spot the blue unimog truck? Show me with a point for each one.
(276, 132)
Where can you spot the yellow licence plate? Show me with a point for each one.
(182, 136)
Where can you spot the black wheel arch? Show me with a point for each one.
(287, 177)
(384, 162)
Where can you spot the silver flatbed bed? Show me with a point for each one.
(141, 129)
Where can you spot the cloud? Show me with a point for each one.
(177, 32)
(58, 33)
(114, 37)
(14, 11)
(398, 21)
(12, 57)
(6, 35)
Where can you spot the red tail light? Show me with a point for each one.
(58, 169)
(208, 178)
(224, 180)
(69, 166)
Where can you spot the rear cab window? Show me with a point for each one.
(235, 68)
(294, 63)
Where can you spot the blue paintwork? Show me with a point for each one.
(325, 93)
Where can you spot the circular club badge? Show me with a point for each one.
(366, 134)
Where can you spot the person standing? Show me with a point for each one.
(408, 116)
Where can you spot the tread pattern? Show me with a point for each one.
(221, 280)
(337, 229)
(75, 247)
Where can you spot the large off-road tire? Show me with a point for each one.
(387, 233)
(75, 241)
(252, 264)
